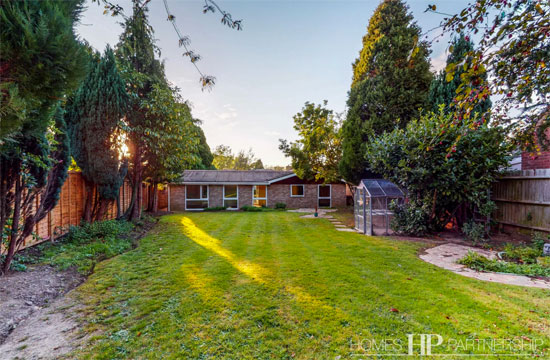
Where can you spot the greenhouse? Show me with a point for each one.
(372, 199)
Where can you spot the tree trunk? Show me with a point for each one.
(87, 214)
(14, 227)
(133, 212)
(155, 196)
(118, 206)
(102, 209)
(150, 204)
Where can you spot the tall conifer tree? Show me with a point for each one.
(41, 60)
(391, 79)
(143, 70)
(443, 89)
(94, 119)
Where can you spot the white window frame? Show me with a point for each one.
(226, 198)
(303, 190)
(255, 198)
(324, 197)
(201, 198)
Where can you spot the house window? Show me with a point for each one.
(231, 196)
(323, 195)
(297, 190)
(259, 195)
(196, 197)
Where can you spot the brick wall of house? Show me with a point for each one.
(281, 193)
(275, 193)
(245, 195)
(531, 162)
(215, 195)
(339, 195)
(177, 197)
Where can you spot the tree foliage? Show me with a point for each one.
(447, 178)
(40, 58)
(32, 173)
(94, 117)
(514, 51)
(443, 88)
(391, 79)
(318, 151)
(224, 159)
(141, 69)
(204, 153)
(172, 145)
(210, 6)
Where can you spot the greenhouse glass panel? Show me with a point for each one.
(372, 199)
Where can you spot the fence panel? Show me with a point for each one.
(69, 209)
(523, 199)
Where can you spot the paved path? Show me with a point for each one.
(324, 214)
(446, 256)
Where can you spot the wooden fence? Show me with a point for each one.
(523, 199)
(68, 210)
(70, 207)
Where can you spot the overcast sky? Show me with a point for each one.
(289, 52)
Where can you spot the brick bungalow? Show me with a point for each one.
(199, 189)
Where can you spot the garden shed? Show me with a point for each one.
(371, 205)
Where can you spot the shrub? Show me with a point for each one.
(544, 261)
(81, 248)
(88, 244)
(409, 219)
(254, 208)
(443, 163)
(475, 232)
(521, 254)
(539, 239)
(280, 206)
(99, 230)
(17, 264)
(479, 262)
(251, 208)
(215, 208)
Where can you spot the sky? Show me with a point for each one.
(288, 52)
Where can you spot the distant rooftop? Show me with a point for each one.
(233, 176)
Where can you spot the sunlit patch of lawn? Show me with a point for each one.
(271, 285)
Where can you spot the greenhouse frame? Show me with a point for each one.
(371, 205)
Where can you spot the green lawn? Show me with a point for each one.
(270, 285)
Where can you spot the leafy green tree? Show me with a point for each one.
(443, 88)
(35, 170)
(446, 179)
(141, 70)
(391, 79)
(40, 59)
(317, 152)
(184, 41)
(206, 156)
(223, 157)
(173, 145)
(94, 117)
(513, 51)
(247, 161)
